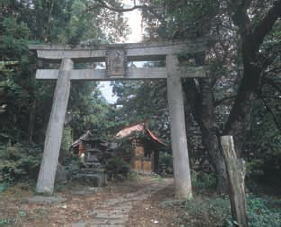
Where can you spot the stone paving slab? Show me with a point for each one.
(115, 212)
(45, 199)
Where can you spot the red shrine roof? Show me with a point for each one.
(140, 127)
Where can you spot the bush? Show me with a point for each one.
(202, 211)
(165, 163)
(261, 212)
(117, 168)
(207, 211)
(19, 162)
(202, 181)
(216, 211)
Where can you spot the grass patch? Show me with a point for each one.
(3, 187)
(211, 210)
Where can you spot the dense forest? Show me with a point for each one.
(241, 95)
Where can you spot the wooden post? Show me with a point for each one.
(47, 174)
(236, 174)
(178, 132)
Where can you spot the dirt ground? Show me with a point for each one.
(144, 197)
(153, 212)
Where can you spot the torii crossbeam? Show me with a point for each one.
(116, 57)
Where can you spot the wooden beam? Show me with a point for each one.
(132, 74)
(236, 171)
(140, 51)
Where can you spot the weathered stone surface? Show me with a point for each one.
(45, 199)
(47, 173)
(178, 131)
(86, 191)
(131, 73)
(61, 174)
(80, 224)
(135, 51)
(93, 179)
(116, 61)
(115, 211)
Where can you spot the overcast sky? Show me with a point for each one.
(134, 22)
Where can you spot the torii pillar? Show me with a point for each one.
(182, 174)
(48, 168)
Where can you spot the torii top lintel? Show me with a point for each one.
(116, 57)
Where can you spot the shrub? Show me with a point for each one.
(19, 162)
(165, 163)
(202, 181)
(262, 214)
(202, 211)
(117, 168)
(208, 211)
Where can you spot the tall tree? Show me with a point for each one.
(242, 29)
(25, 102)
(252, 34)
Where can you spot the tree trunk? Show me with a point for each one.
(238, 122)
(252, 36)
(210, 139)
(203, 112)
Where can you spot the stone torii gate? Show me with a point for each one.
(116, 56)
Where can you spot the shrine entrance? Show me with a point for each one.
(116, 57)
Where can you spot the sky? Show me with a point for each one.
(134, 23)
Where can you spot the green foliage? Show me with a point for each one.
(263, 147)
(15, 37)
(19, 162)
(67, 140)
(261, 213)
(143, 100)
(3, 187)
(203, 181)
(25, 103)
(180, 19)
(165, 163)
(215, 211)
(89, 110)
(117, 168)
(207, 211)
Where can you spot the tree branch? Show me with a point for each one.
(272, 83)
(271, 97)
(266, 24)
(109, 6)
(238, 13)
(228, 98)
(267, 107)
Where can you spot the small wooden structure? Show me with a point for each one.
(92, 151)
(145, 148)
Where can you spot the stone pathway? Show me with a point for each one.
(115, 212)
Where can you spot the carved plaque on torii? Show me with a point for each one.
(116, 61)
